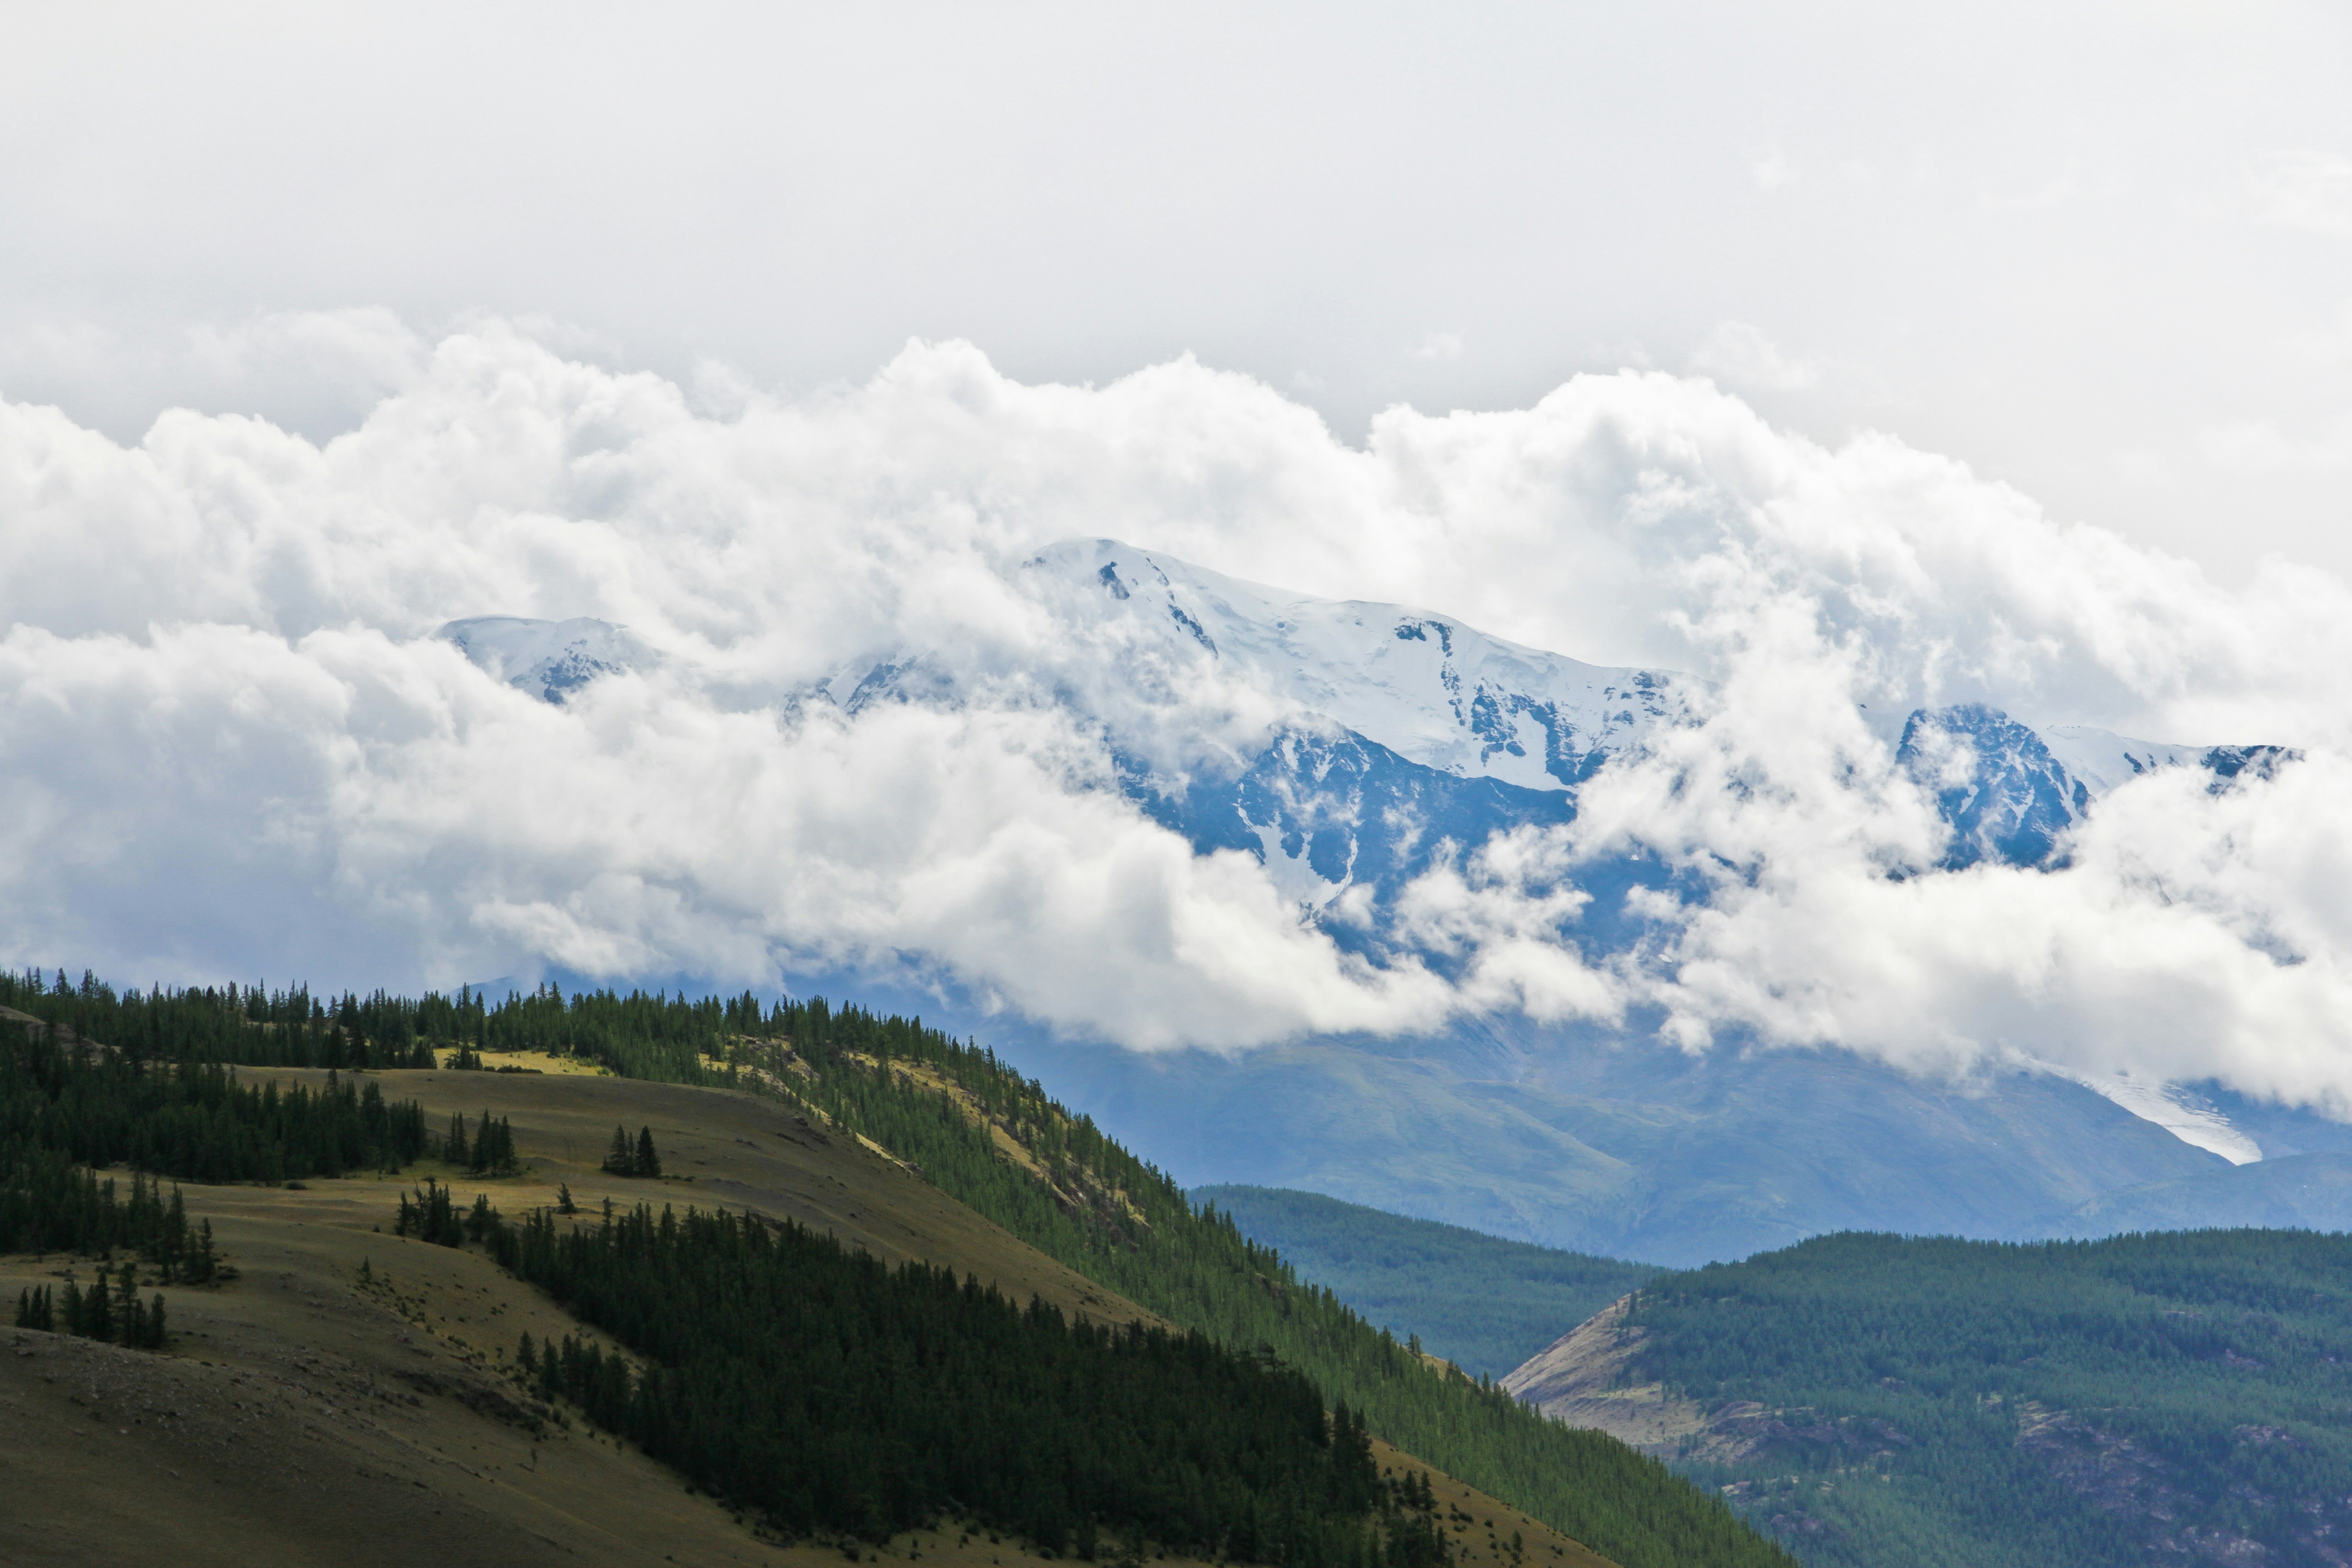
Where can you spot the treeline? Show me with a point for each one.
(830, 1391)
(194, 1122)
(49, 1204)
(66, 1110)
(1939, 1394)
(116, 1317)
(244, 1025)
(637, 1035)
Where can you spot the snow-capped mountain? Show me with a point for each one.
(550, 659)
(2010, 791)
(1400, 733)
(1425, 687)
(1390, 736)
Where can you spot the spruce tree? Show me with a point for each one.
(648, 1163)
(173, 1249)
(97, 1311)
(618, 1160)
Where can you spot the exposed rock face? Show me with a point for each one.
(1593, 1377)
(1584, 1378)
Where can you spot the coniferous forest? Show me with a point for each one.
(1476, 1299)
(191, 1118)
(2179, 1395)
(787, 1373)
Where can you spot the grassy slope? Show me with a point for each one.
(341, 1400)
(1480, 1301)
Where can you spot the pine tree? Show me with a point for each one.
(648, 1163)
(618, 1160)
(173, 1248)
(453, 1148)
(97, 1311)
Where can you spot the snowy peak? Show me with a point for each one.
(2011, 792)
(1421, 685)
(1994, 782)
(550, 659)
(2102, 760)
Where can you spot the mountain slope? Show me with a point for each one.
(348, 1397)
(1479, 1301)
(995, 1143)
(1875, 1400)
(1625, 1151)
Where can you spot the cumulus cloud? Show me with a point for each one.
(230, 742)
(317, 371)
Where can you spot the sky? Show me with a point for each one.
(1843, 366)
(2099, 252)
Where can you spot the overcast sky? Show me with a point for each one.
(2104, 253)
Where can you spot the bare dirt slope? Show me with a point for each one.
(1591, 1377)
(1582, 1378)
(343, 1401)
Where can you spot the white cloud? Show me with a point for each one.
(317, 371)
(229, 743)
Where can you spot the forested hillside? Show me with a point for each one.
(795, 1375)
(2172, 1397)
(998, 1142)
(1478, 1300)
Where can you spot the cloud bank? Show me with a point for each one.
(231, 744)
